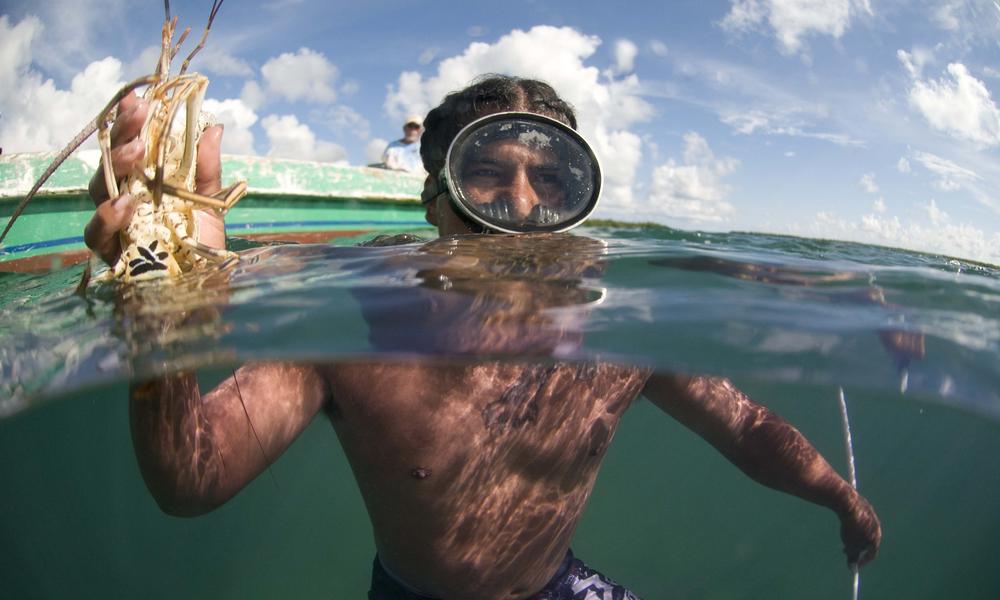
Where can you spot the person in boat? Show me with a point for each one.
(474, 473)
(404, 154)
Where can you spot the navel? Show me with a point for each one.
(420, 473)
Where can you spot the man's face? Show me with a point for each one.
(411, 132)
(515, 177)
(518, 178)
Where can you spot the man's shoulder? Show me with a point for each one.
(393, 240)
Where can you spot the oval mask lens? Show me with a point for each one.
(521, 172)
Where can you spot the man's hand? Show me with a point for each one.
(127, 154)
(860, 531)
(903, 346)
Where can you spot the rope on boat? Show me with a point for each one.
(852, 474)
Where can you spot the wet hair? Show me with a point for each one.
(486, 95)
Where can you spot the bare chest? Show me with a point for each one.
(422, 418)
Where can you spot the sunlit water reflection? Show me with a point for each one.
(789, 320)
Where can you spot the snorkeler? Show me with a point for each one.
(474, 474)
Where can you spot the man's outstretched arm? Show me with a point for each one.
(195, 452)
(768, 449)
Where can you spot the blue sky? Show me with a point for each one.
(867, 120)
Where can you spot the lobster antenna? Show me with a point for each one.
(75, 143)
(849, 449)
(163, 66)
(201, 43)
(180, 41)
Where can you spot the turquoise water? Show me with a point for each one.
(789, 320)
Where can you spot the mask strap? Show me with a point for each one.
(442, 190)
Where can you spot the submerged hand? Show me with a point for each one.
(903, 346)
(127, 154)
(860, 531)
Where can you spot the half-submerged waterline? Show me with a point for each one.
(690, 302)
(788, 320)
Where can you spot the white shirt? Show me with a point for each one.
(403, 157)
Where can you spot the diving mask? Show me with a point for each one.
(516, 172)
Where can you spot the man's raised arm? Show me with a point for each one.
(768, 449)
(195, 452)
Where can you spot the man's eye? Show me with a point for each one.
(482, 172)
(548, 178)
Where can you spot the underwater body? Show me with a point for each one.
(912, 340)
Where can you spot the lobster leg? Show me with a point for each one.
(232, 195)
(229, 196)
(104, 141)
(214, 254)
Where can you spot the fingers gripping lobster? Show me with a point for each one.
(161, 239)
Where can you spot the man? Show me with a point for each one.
(474, 474)
(404, 154)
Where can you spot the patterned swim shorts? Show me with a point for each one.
(574, 581)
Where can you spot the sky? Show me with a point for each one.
(863, 120)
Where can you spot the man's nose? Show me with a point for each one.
(522, 195)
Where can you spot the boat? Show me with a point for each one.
(287, 200)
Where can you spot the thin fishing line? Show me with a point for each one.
(852, 474)
(267, 461)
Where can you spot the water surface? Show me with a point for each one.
(913, 340)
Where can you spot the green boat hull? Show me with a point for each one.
(287, 200)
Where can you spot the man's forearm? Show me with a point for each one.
(771, 451)
(172, 433)
(196, 452)
(762, 444)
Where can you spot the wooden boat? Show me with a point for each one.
(288, 200)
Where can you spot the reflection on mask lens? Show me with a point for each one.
(500, 210)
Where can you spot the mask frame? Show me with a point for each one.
(481, 223)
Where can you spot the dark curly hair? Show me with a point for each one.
(487, 94)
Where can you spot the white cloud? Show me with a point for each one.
(476, 31)
(374, 149)
(868, 183)
(945, 15)
(37, 115)
(252, 95)
(341, 118)
(950, 176)
(943, 237)
(74, 32)
(237, 118)
(625, 53)
(958, 104)
(658, 48)
(606, 107)
(918, 58)
(879, 205)
(791, 20)
(935, 214)
(693, 190)
(290, 139)
(350, 87)
(305, 75)
(748, 122)
(211, 60)
(142, 65)
(903, 166)
(428, 55)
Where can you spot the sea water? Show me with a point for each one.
(913, 340)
